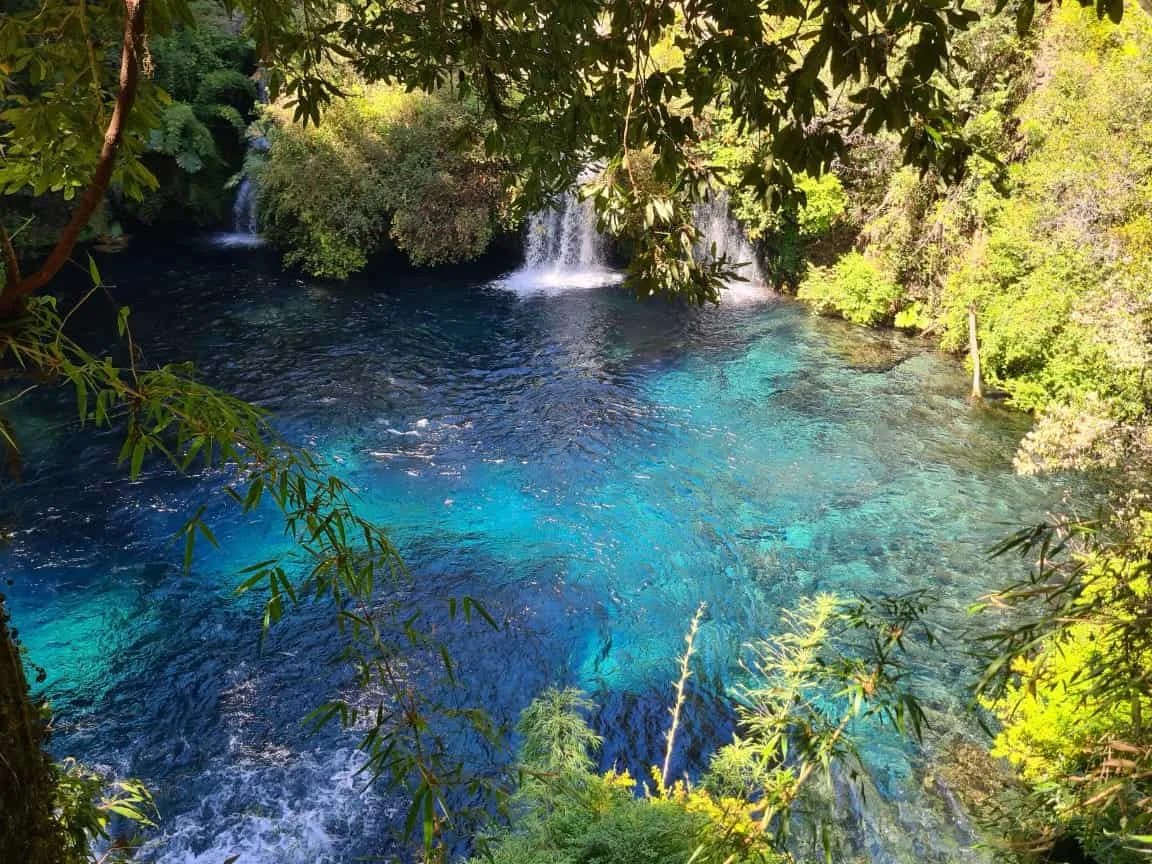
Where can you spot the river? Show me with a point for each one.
(591, 465)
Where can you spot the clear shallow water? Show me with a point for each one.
(592, 466)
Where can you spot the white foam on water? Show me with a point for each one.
(745, 293)
(288, 808)
(563, 251)
(529, 282)
(235, 240)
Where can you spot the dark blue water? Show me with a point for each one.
(593, 466)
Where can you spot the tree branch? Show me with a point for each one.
(12, 301)
(11, 263)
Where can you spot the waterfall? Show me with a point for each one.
(244, 210)
(563, 250)
(722, 235)
(564, 238)
(245, 226)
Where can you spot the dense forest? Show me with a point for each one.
(976, 178)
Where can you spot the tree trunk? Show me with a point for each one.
(29, 832)
(974, 350)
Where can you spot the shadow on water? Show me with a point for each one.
(592, 466)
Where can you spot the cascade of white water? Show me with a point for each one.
(564, 238)
(563, 250)
(722, 236)
(244, 211)
(245, 225)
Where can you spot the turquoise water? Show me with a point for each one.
(593, 466)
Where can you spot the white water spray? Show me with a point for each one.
(245, 226)
(564, 238)
(244, 209)
(722, 236)
(563, 250)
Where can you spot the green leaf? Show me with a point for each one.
(138, 453)
(189, 548)
(429, 821)
(414, 810)
(203, 528)
(94, 272)
(471, 603)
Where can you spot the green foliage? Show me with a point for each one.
(383, 163)
(198, 63)
(179, 134)
(564, 813)
(86, 803)
(227, 87)
(607, 81)
(1058, 278)
(1071, 682)
(855, 288)
(199, 143)
(596, 85)
(557, 739)
(604, 823)
(56, 96)
(785, 229)
(734, 153)
(836, 665)
(183, 137)
(1047, 234)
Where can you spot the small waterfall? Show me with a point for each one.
(563, 250)
(245, 225)
(244, 210)
(722, 235)
(564, 238)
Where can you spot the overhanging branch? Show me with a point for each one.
(12, 301)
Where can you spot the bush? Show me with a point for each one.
(183, 137)
(383, 163)
(198, 142)
(835, 665)
(1075, 710)
(1059, 274)
(567, 814)
(183, 58)
(854, 288)
(227, 87)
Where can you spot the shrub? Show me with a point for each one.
(1058, 275)
(198, 140)
(854, 288)
(227, 87)
(184, 58)
(382, 163)
(183, 137)
(835, 665)
(1075, 706)
(564, 813)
